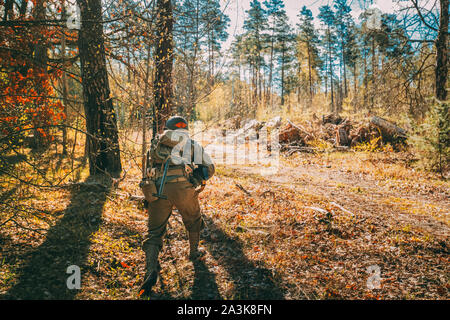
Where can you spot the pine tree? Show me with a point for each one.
(343, 23)
(274, 10)
(162, 84)
(308, 37)
(327, 18)
(254, 25)
(216, 24)
(101, 122)
(284, 39)
(200, 29)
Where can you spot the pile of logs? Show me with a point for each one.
(342, 133)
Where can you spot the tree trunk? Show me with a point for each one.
(441, 74)
(282, 77)
(441, 71)
(310, 76)
(145, 111)
(64, 80)
(365, 80)
(374, 75)
(331, 72)
(8, 9)
(271, 71)
(355, 88)
(23, 8)
(345, 79)
(41, 58)
(101, 123)
(163, 91)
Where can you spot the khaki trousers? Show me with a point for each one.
(183, 196)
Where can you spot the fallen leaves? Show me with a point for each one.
(316, 239)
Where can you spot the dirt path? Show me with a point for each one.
(363, 194)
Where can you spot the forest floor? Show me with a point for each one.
(340, 225)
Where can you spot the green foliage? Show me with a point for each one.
(432, 139)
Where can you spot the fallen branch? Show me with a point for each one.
(263, 194)
(342, 208)
(242, 188)
(317, 209)
(294, 149)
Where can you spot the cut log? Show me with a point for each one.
(342, 138)
(301, 129)
(291, 134)
(388, 129)
(343, 134)
(390, 132)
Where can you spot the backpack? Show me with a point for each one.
(161, 147)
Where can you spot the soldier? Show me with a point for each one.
(177, 166)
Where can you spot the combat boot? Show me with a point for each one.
(153, 267)
(194, 251)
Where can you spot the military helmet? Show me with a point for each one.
(176, 122)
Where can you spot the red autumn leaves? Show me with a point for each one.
(28, 99)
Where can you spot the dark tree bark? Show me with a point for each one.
(310, 75)
(441, 71)
(101, 123)
(23, 8)
(282, 77)
(8, 8)
(64, 87)
(163, 89)
(41, 58)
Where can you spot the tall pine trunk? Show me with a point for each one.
(355, 87)
(441, 71)
(163, 90)
(441, 75)
(271, 70)
(64, 80)
(331, 72)
(345, 72)
(41, 58)
(282, 76)
(101, 123)
(310, 76)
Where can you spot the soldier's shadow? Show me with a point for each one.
(44, 274)
(205, 286)
(251, 282)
